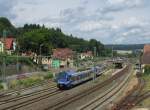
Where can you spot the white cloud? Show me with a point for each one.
(119, 21)
(89, 26)
(120, 5)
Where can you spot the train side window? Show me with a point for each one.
(82, 75)
(73, 78)
(78, 78)
(85, 75)
(88, 74)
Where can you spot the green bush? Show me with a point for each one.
(26, 82)
(1, 86)
(147, 69)
(13, 60)
(31, 81)
(49, 75)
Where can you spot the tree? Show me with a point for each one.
(31, 36)
(99, 47)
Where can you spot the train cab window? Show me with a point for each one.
(61, 75)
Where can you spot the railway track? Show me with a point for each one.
(27, 95)
(31, 101)
(9, 105)
(94, 104)
(64, 102)
(142, 97)
(16, 91)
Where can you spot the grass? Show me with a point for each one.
(49, 75)
(147, 82)
(27, 82)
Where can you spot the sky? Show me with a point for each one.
(109, 21)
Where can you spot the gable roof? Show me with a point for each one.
(62, 53)
(8, 43)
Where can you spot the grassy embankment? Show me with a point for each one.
(28, 81)
(146, 77)
(146, 102)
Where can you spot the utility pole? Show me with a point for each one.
(4, 60)
(94, 73)
(112, 51)
(17, 57)
(4, 52)
(95, 53)
(40, 60)
(77, 60)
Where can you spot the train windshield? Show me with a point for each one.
(62, 75)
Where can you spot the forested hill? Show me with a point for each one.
(32, 36)
(6, 24)
(125, 47)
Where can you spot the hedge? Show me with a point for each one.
(13, 60)
(49, 75)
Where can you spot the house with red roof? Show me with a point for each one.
(9, 45)
(87, 54)
(146, 55)
(145, 59)
(65, 55)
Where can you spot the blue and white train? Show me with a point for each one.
(68, 79)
